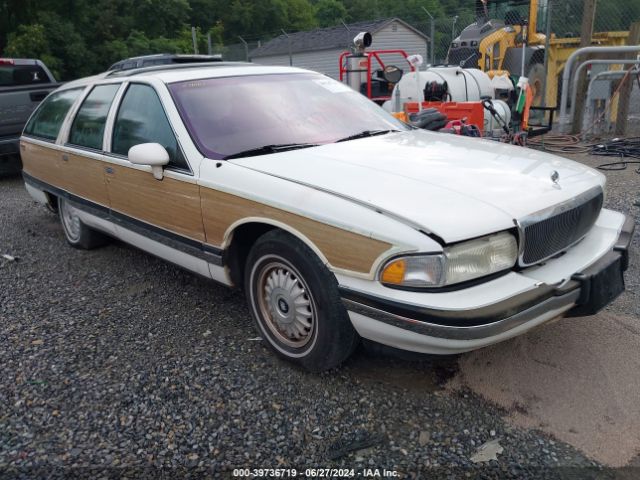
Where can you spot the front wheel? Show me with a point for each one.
(295, 303)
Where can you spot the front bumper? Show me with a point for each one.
(449, 331)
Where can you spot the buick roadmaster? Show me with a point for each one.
(337, 220)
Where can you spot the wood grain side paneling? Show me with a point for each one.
(41, 162)
(343, 249)
(84, 177)
(202, 214)
(77, 174)
(168, 203)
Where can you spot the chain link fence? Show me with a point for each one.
(237, 52)
(562, 18)
(486, 37)
(610, 15)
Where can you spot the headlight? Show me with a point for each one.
(459, 263)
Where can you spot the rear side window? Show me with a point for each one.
(47, 120)
(141, 119)
(88, 127)
(18, 75)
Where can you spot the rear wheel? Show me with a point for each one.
(76, 232)
(295, 303)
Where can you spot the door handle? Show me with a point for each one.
(108, 170)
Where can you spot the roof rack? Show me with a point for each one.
(173, 66)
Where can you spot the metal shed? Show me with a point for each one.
(320, 49)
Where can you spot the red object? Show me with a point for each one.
(366, 62)
(7, 61)
(461, 127)
(455, 126)
(471, 112)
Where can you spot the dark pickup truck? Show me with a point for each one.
(24, 83)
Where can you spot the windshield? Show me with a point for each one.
(229, 115)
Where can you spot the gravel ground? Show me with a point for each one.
(117, 363)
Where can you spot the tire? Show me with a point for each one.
(281, 272)
(76, 232)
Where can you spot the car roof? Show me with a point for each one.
(172, 73)
(227, 70)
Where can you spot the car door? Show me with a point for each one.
(41, 154)
(167, 211)
(82, 160)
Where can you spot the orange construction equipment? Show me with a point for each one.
(472, 112)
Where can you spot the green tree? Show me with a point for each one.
(13, 14)
(161, 17)
(241, 16)
(30, 41)
(330, 12)
(300, 15)
(81, 37)
(68, 45)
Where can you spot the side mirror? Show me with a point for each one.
(152, 154)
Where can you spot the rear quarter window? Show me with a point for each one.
(46, 121)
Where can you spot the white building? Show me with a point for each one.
(320, 49)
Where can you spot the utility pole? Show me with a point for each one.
(432, 35)
(246, 48)
(349, 37)
(588, 18)
(193, 37)
(547, 50)
(453, 28)
(290, 53)
(625, 90)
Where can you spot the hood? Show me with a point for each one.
(448, 185)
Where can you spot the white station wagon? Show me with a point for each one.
(338, 221)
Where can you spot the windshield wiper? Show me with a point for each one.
(366, 133)
(266, 149)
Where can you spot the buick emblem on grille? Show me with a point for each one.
(555, 177)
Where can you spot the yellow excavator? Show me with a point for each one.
(505, 39)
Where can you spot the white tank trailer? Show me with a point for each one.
(463, 85)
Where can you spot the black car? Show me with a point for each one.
(161, 59)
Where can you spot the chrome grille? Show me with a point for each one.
(552, 231)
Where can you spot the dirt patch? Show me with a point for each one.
(577, 379)
(408, 371)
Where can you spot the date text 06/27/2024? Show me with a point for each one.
(314, 473)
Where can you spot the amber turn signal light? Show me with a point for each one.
(394, 272)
